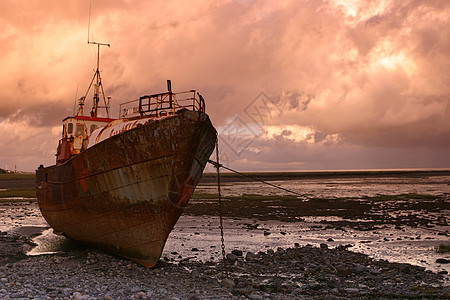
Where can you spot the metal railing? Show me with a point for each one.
(162, 104)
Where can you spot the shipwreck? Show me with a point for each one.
(120, 184)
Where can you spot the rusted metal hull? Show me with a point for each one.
(125, 194)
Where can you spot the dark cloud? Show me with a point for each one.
(354, 76)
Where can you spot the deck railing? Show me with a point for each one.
(162, 104)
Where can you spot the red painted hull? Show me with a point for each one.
(125, 194)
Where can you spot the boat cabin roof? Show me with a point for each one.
(87, 118)
(82, 126)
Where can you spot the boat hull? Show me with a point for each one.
(125, 194)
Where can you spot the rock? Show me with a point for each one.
(227, 283)
(194, 249)
(314, 286)
(266, 232)
(237, 252)
(323, 246)
(79, 296)
(254, 295)
(232, 257)
(251, 256)
(358, 269)
(195, 273)
(330, 240)
(442, 261)
(343, 271)
(333, 283)
(352, 290)
(140, 295)
(405, 268)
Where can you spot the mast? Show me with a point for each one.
(98, 86)
(99, 93)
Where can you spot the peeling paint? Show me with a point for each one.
(126, 191)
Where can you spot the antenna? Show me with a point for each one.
(75, 102)
(97, 77)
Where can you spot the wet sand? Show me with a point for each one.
(313, 257)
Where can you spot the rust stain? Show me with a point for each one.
(124, 193)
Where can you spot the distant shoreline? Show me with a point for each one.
(8, 181)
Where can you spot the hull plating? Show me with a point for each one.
(125, 194)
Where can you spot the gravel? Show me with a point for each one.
(293, 273)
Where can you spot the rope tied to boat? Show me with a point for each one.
(217, 165)
(222, 240)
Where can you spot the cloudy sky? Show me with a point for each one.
(290, 84)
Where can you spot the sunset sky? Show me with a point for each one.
(289, 84)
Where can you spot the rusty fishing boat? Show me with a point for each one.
(121, 184)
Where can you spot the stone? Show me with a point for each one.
(237, 252)
(358, 269)
(78, 296)
(333, 283)
(323, 246)
(140, 295)
(251, 256)
(314, 286)
(442, 261)
(227, 283)
(266, 232)
(254, 295)
(232, 257)
(195, 273)
(404, 268)
(343, 271)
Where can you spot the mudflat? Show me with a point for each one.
(376, 241)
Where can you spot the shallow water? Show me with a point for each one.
(341, 187)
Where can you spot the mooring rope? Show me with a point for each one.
(217, 165)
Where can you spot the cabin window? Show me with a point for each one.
(69, 128)
(79, 130)
(64, 130)
(93, 127)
